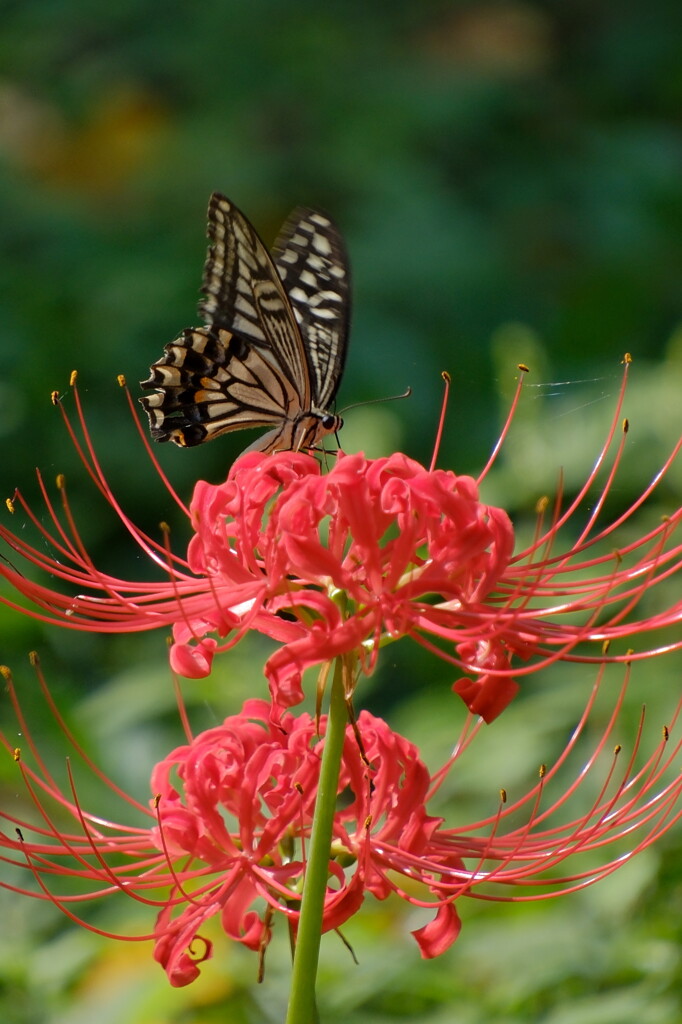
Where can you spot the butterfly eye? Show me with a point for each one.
(331, 423)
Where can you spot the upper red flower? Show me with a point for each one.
(368, 552)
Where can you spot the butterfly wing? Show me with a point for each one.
(311, 259)
(244, 294)
(209, 382)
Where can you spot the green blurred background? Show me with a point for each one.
(508, 177)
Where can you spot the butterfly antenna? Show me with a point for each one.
(375, 401)
(441, 423)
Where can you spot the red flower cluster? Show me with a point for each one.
(335, 566)
(232, 813)
(363, 555)
(231, 817)
(238, 801)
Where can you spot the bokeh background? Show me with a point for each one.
(509, 179)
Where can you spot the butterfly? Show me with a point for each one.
(274, 345)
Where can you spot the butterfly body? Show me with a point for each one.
(273, 348)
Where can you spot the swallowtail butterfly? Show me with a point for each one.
(273, 348)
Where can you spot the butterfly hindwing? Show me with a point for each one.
(208, 382)
(273, 349)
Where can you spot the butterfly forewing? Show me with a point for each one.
(244, 294)
(310, 256)
(273, 350)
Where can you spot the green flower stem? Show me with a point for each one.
(302, 1003)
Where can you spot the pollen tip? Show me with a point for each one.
(54, 397)
(542, 504)
(542, 771)
(6, 673)
(523, 368)
(121, 380)
(503, 796)
(61, 481)
(627, 358)
(666, 734)
(605, 646)
(164, 527)
(626, 425)
(34, 658)
(446, 377)
(16, 753)
(617, 749)
(73, 379)
(9, 505)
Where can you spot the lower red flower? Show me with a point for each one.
(230, 819)
(232, 814)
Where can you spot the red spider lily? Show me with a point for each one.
(369, 552)
(228, 825)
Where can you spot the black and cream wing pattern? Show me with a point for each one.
(272, 350)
